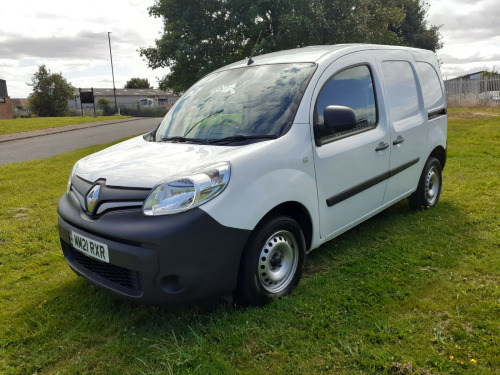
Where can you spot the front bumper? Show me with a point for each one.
(173, 259)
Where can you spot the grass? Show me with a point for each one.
(403, 293)
(27, 124)
(476, 111)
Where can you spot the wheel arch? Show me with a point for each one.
(439, 153)
(296, 211)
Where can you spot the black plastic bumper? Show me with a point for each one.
(173, 259)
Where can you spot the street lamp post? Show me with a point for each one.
(112, 71)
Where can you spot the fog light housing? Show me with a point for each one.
(171, 284)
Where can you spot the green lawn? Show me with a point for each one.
(404, 293)
(493, 110)
(26, 124)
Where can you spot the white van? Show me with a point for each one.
(255, 165)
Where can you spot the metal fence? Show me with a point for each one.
(475, 92)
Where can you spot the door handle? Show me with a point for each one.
(398, 140)
(382, 146)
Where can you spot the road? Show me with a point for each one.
(53, 144)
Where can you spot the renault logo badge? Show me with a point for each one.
(92, 198)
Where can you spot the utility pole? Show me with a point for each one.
(112, 71)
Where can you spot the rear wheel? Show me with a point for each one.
(272, 262)
(429, 185)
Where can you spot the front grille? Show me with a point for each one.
(118, 275)
(109, 197)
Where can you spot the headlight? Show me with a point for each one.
(73, 171)
(189, 190)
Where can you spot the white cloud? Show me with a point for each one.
(471, 35)
(72, 38)
(10, 63)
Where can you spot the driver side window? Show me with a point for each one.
(353, 88)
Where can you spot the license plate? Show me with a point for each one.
(91, 248)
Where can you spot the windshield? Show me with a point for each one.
(239, 103)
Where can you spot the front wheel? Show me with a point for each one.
(272, 262)
(429, 185)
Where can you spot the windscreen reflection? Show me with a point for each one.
(254, 100)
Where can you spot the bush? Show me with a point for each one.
(105, 105)
(21, 112)
(143, 111)
(87, 111)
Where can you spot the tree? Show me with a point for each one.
(51, 93)
(203, 35)
(414, 30)
(138, 83)
(490, 74)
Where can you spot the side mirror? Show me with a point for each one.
(339, 119)
(151, 136)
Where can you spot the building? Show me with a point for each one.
(467, 84)
(6, 107)
(127, 97)
(467, 77)
(473, 88)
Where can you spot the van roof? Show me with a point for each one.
(315, 54)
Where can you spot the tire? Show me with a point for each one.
(272, 262)
(429, 186)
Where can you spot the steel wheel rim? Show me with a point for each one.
(432, 186)
(278, 261)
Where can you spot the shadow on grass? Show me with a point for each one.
(397, 223)
(393, 224)
(346, 286)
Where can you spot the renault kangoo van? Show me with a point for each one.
(257, 164)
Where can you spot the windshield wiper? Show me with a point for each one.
(184, 139)
(203, 119)
(239, 138)
(232, 138)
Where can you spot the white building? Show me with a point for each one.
(127, 97)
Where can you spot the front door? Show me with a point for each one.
(351, 166)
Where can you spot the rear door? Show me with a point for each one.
(407, 119)
(352, 166)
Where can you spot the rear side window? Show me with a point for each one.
(431, 85)
(402, 94)
(353, 88)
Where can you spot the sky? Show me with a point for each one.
(471, 35)
(71, 37)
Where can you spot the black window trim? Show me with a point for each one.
(317, 138)
(431, 115)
